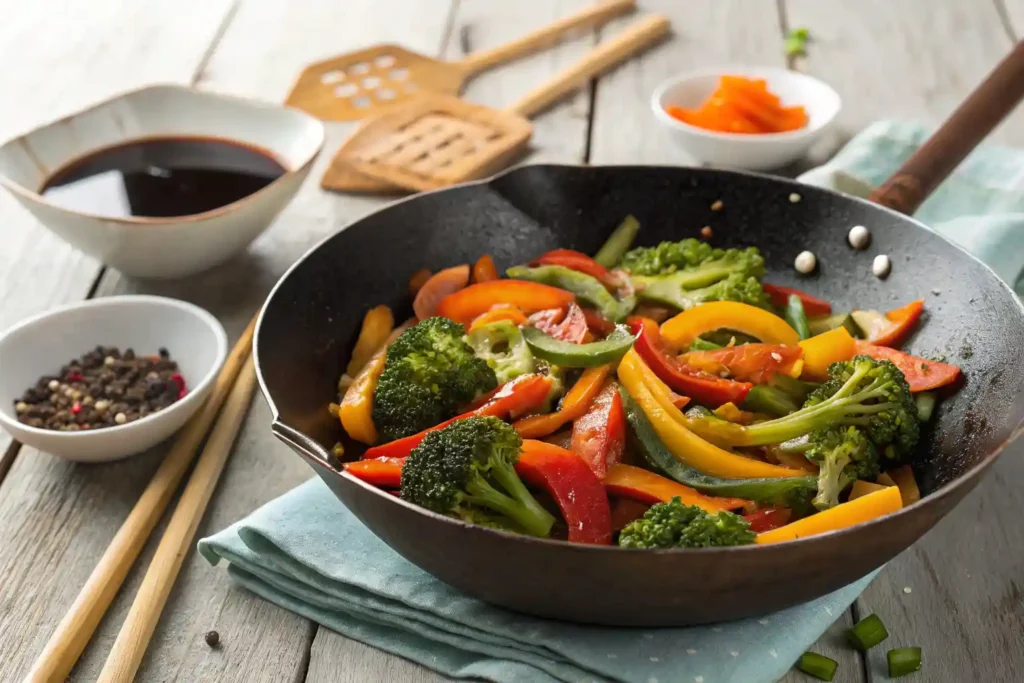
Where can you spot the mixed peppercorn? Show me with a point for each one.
(104, 388)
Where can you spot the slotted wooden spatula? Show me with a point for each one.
(439, 140)
(371, 81)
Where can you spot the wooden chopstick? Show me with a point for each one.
(133, 638)
(79, 623)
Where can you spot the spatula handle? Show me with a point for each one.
(607, 54)
(594, 15)
(990, 103)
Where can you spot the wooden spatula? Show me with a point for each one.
(368, 82)
(439, 140)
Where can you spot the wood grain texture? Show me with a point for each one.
(1013, 10)
(903, 59)
(61, 56)
(706, 34)
(833, 644)
(337, 659)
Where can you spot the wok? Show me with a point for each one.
(312, 317)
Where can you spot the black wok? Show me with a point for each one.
(311, 319)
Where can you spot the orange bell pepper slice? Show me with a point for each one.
(418, 279)
(437, 288)
(921, 374)
(853, 512)
(499, 312)
(574, 405)
(647, 487)
(900, 323)
(484, 269)
(377, 325)
(529, 297)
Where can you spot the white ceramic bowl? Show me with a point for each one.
(41, 345)
(749, 151)
(163, 247)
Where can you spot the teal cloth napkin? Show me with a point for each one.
(307, 553)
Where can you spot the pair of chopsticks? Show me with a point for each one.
(233, 391)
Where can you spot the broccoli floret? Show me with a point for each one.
(843, 455)
(467, 470)
(671, 291)
(675, 525)
(429, 374)
(502, 346)
(863, 392)
(701, 264)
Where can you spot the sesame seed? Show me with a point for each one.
(859, 237)
(706, 232)
(54, 385)
(717, 205)
(805, 262)
(777, 357)
(881, 266)
(794, 198)
(109, 360)
(20, 407)
(906, 590)
(120, 418)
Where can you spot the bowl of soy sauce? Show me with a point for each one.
(165, 181)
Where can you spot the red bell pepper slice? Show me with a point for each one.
(755, 363)
(529, 297)
(599, 437)
(626, 510)
(578, 261)
(383, 472)
(921, 374)
(524, 393)
(575, 488)
(813, 306)
(700, 386)
(769, 518)
(484, 269)
(900, 323)
(568, 324)
(599, 325)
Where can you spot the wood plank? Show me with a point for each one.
(58, 515)
(707, 34)
(61, 56)
(897, 59)
(833, 644)
(1013, 11)
(337, 659)
(261, 641)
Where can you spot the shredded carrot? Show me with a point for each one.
(742, 105)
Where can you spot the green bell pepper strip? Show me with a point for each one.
(569, 355)
(797, 318)
(791, 492)
(587, 288)
(618, 243)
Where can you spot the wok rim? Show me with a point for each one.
(969, 478)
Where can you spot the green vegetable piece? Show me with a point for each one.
(926, 401)
(569, 355)
(796, 42)
(769, 400)
(791, 492)
(502, 346)
(903, 661)
(819, 666)
(618, 243)
(701, 344)
(827, 323)
(429, 375)
(869, 320)
(868, 632)
(675, 525)
(843, 455)
(467, 470)
(672, 290)
(796, 317)
(586, 288)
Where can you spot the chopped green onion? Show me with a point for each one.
(819, 666)
(868, 632)
(618, 243)
(699, 344)
(796, 42)
(903, 661)
(796, 317)
(925, 405)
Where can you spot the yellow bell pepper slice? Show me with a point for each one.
(751, 320)
(862, 488)
(863, 509)
(377, 325)
(686, 446)
(821, 351)
(356, 411)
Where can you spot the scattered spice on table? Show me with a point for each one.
(104, 388)
(212, 639)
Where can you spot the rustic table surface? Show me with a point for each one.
(957, 593)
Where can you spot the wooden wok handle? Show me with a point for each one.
(594, 15)
(990, 103)
(608, 53)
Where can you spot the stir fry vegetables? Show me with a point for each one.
(550, 402)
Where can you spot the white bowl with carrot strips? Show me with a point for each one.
(756, 118)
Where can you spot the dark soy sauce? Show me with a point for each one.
(162, 177)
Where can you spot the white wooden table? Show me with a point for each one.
(912, 58)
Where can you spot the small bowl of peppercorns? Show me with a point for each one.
(106, 378)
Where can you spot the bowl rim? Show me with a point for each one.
(968, 478)
(169, 221)
(195, 396)
(665, 119)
